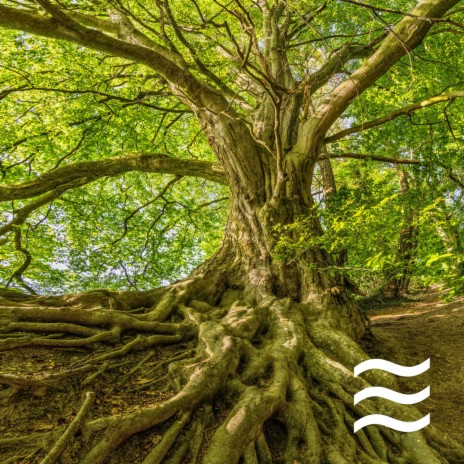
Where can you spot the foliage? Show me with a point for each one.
(364, 221)
(63, 103)
(122, 125)
(80, 241)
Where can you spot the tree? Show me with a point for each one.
(400, 276)
(266, 83)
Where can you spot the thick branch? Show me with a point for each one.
(395, 114)
(406, 36)
(401, 13)
(63, 27)
(383, 159)
(337, 62)
(127, 32)
(92, 170)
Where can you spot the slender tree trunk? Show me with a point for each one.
(451, 237)
(329, 187)
(329, 190)
(399, 276)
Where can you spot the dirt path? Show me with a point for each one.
(427, 327)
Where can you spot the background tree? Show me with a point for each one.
(245, 95)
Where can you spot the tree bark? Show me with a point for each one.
(399, 276)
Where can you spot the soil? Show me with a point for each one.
(44, 410)
(426, 326)
(407, 333)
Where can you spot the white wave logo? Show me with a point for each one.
(392, 368)
(392, 395)
(401, 398)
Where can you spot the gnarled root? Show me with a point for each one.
(258, 383)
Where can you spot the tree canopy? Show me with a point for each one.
(95, 98)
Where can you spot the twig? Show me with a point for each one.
(139, 365)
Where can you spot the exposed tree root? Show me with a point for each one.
(249, 375)
(158, 453)
(60, 445)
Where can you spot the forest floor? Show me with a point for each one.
(426, 326)
(406, 332)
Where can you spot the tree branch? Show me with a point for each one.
(63, 27)
(138, 100)
(200, 65)
(401, 13)
(452, 175)
(383, 159)
(23, 213)
(403, 38)
(159, 195)
(86, 172)
(18, 273)
(126, 31)
(337, 62)
(395, 114)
